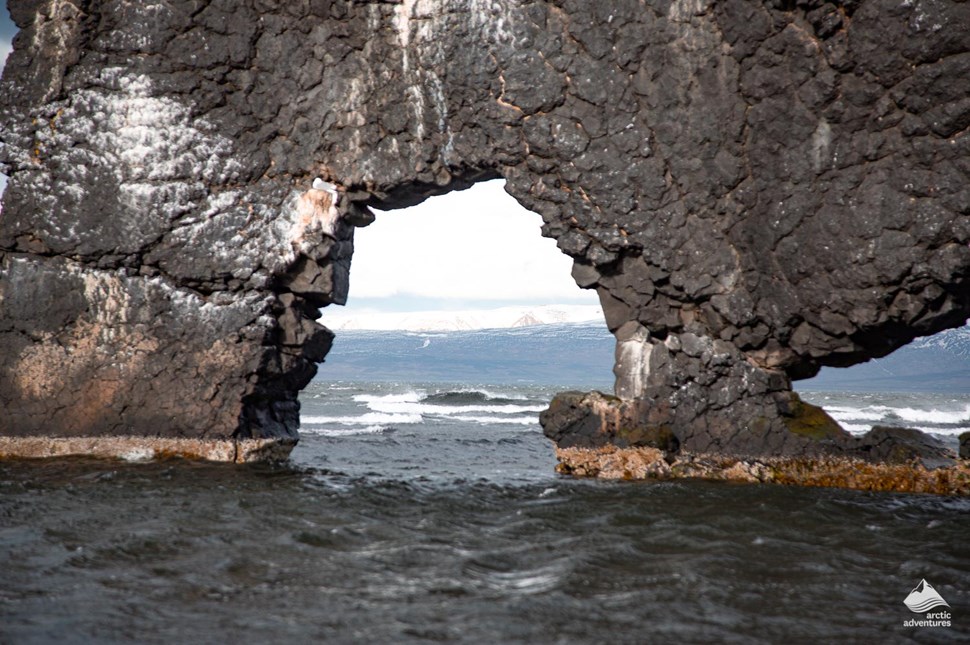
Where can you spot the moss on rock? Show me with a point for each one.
(811, 421)
(661, 437)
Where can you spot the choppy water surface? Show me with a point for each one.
(443, 521)
(946, 416)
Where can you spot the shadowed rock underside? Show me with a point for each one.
(754, 189)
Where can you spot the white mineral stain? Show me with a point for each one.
(162, 159)
(402, 23)
(684, 10)
(821, 142)
(632, 367)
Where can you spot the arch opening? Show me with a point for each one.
(473, 248)
(461, 324)
(924, 385)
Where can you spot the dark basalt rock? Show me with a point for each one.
(754, 189)
(904, 445)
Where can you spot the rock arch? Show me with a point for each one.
(754, 189)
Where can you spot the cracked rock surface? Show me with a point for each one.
(754, 188)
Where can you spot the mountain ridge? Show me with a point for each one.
(463, 319)
(581, 353)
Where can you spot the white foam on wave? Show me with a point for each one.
(914, 415)
(851, 414)
(856, 428)
(497, 395)
(525, 421)
(943, 431)
(369, 418)
(408, 407)
(411, 396)
(862, 428)
(909, 415)
(344, 432)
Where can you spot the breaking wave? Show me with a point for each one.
(411, 396)
(427, 408)
(913, 415)
(468, 397)
(346, 432)
(525, 421)
(449, 403)
(370, 418)
(950, 417)
(471, 405)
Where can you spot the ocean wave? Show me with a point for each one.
(950, 431)
(345, 432)
(862, 428)
(368, 418)
(914, 415)
(464, 397)
(449, 410)
(856, 428)
(525, 421)
(853, 414)
(909, 415)
(411, 396)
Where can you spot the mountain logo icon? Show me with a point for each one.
(924, 598)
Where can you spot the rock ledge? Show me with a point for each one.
(131, 448)
(639, 463)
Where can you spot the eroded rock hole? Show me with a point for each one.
(460, 319)
(924, 385)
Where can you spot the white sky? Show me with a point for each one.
(472, 245)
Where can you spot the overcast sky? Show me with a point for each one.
(476, 247)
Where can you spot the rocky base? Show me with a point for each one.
(790, 442)
(237, 451)
(611, 462)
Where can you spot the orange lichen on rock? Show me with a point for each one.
(131, 448)
(861, 475)
(611, 462)
(315, 210)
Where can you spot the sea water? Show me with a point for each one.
(944, 416)
(430, 512)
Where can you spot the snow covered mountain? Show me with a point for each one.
(955, 342)
(502, 318)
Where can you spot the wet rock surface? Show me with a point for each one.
(754, 189)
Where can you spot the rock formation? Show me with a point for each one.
(754, 188)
